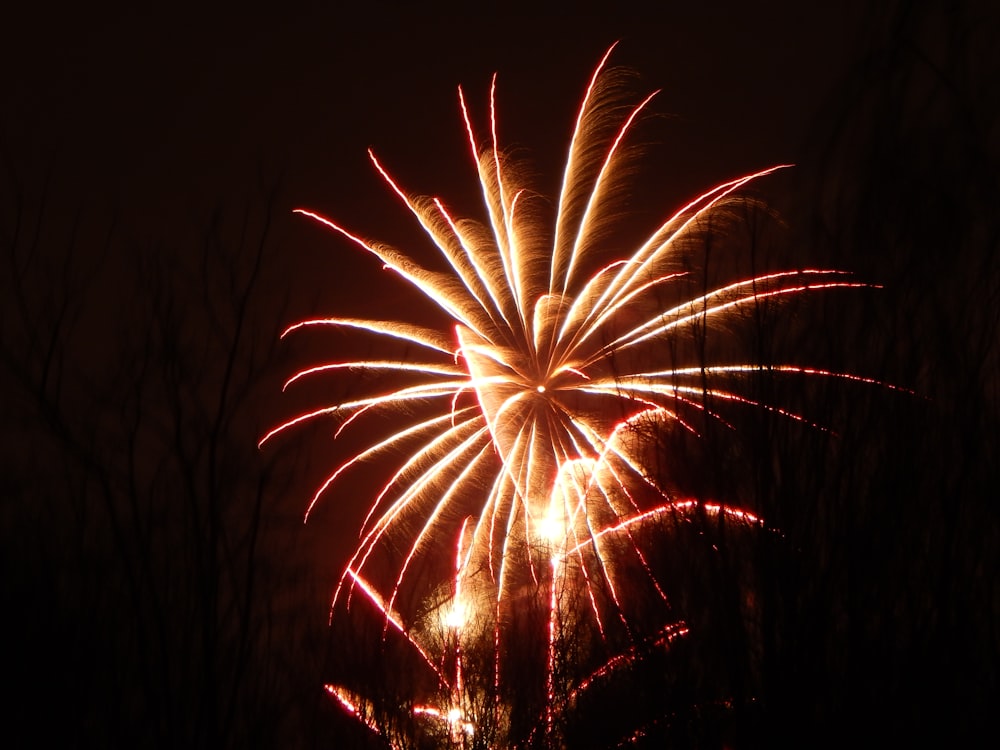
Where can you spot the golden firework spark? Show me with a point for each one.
(517, 426)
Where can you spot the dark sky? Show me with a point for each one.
(149, 121)
(161, 108)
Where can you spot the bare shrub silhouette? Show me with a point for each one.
(886, 604)
(148, 574)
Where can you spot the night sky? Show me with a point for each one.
(153, 109)
(154, 564)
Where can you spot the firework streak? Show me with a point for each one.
(524, 426)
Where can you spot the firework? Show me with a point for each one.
(521, 426)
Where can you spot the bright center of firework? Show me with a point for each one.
(540, 389)
(552, 526)
(455, 616)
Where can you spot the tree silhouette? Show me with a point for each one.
(149, 578)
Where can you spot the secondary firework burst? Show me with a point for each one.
(519, 432)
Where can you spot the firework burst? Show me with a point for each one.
(516, 434)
